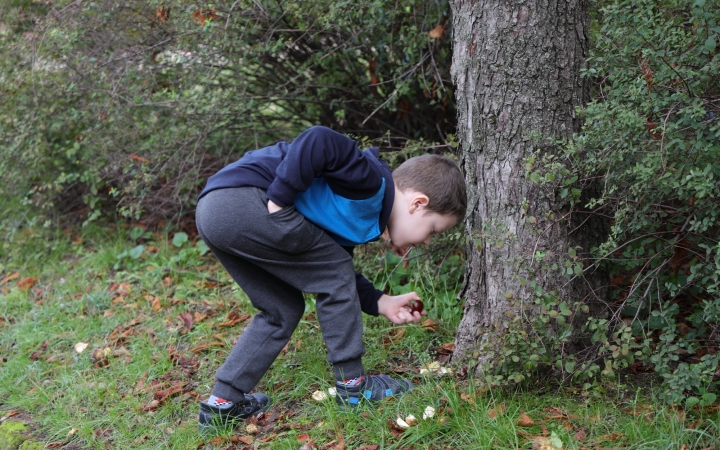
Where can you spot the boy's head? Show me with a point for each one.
(430, 198)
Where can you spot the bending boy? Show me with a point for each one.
(284, 220)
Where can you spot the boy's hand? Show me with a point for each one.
(273, 207)
(397, 308)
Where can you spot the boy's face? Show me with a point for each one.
(411, 223)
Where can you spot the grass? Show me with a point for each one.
(138, 381)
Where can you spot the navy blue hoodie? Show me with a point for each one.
(345, 191)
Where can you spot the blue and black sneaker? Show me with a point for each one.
(217, 414)
(371, 388)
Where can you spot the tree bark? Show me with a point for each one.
(516, 66)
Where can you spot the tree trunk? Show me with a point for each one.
(516, 66)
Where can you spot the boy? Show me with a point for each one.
(284, 220)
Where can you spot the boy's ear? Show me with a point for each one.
(417, 201)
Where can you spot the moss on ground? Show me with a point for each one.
(12, 437)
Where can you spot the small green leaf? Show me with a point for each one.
(570, 366)
(555, 440)
(710, 44)
(136, 251)
(691, 401)
(708, 398)
(179, 239)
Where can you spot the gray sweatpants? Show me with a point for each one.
(274, 258)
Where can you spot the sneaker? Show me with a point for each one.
(218, 415)
(372, 388)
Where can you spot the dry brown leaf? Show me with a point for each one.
(436, 33)
(244, 439)
(197, 317)
(27, 283)
(187, 320)
(581, 434)
(429, 325)
(446, 348)
(9, 414)
(162, 14)
(12, 276)
(468, 398)
(497, 411)
(234, 318)
(199, 348)
(397, 335)
(124, 288)
(156, 305)
(204, 14)
(525, 421)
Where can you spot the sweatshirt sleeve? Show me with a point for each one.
(322, 152)
(369, 296)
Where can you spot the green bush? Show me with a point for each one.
(651, 139)
(131, 106)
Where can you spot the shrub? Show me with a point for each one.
(131, 106)
(651, 139)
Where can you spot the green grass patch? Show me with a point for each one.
(110, 338)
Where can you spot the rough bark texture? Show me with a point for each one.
(516, 66)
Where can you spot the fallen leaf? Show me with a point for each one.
(467, 398)
(244, 439)
(234, 318)
(156, 304)
(12, 276)
(397, 335)
(27, 283)
(56, 444)
(187, 320)
(581, 434)
(395, 430)
(9, 414)
(304, 438)
(429, 325)
(36, 354)
(268, 438)
(199, 348)
(369, 447)
(152, 406)
(124, 288)
(446, 348)
(525, 421)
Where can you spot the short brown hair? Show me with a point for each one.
(439, 178)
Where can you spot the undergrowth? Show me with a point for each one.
(110, 338)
